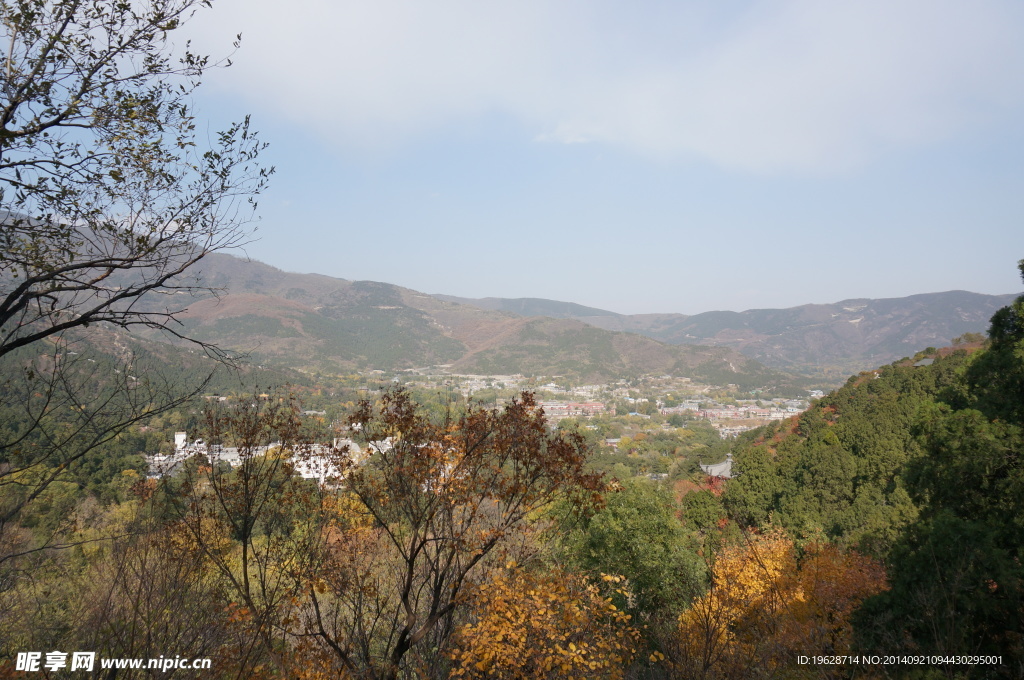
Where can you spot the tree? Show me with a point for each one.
(957, 575)
(108, 196)
(62, 409)
(677, 420)
(146, 592)
(440, 499)
(956, 585)
(106, 200)
(551, 625)
(260, 527)
(997, 377)
(763, 609)
(637, 535)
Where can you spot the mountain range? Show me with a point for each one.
(314, 322)
(815, 339)
(320, 323)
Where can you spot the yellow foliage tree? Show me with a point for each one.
(764, 609)
(551, 625)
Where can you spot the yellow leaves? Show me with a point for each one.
(199, 532)
(544, 625)
(278, 453)
(831, 585)
(345, 510)
(764, 608)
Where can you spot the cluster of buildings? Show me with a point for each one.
(749, 415)
(745, 413)
(556, 410)
(319, 462)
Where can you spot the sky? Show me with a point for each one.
(652, 156)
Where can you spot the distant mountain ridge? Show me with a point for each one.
(315, 322)
(816, 339)
(533, 307)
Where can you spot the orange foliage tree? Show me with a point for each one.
(442, 500)
(764, 608)
(551, 625)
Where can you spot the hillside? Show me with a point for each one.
(169, 367)
(552, 346)
(536, 307)
(918, 463)
(829, 339)
(314, 322)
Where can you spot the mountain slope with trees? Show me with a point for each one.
(918, 463)
(315, 322)
(818, 339)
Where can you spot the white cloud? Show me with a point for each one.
(802, 85)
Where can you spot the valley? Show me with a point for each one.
(213, 463)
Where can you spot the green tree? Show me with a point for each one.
(997, 377)
(956, 589)
(957, 579)
(637, 535)
(677, 420)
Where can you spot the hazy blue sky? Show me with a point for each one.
(639, 157)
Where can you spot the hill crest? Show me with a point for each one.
(817, 339)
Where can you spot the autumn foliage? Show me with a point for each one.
(550, 625)
(765, 607)
(443, 502)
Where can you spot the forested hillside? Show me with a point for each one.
(918, 463)
(831, 340)
(320, 323)
(177, 511)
